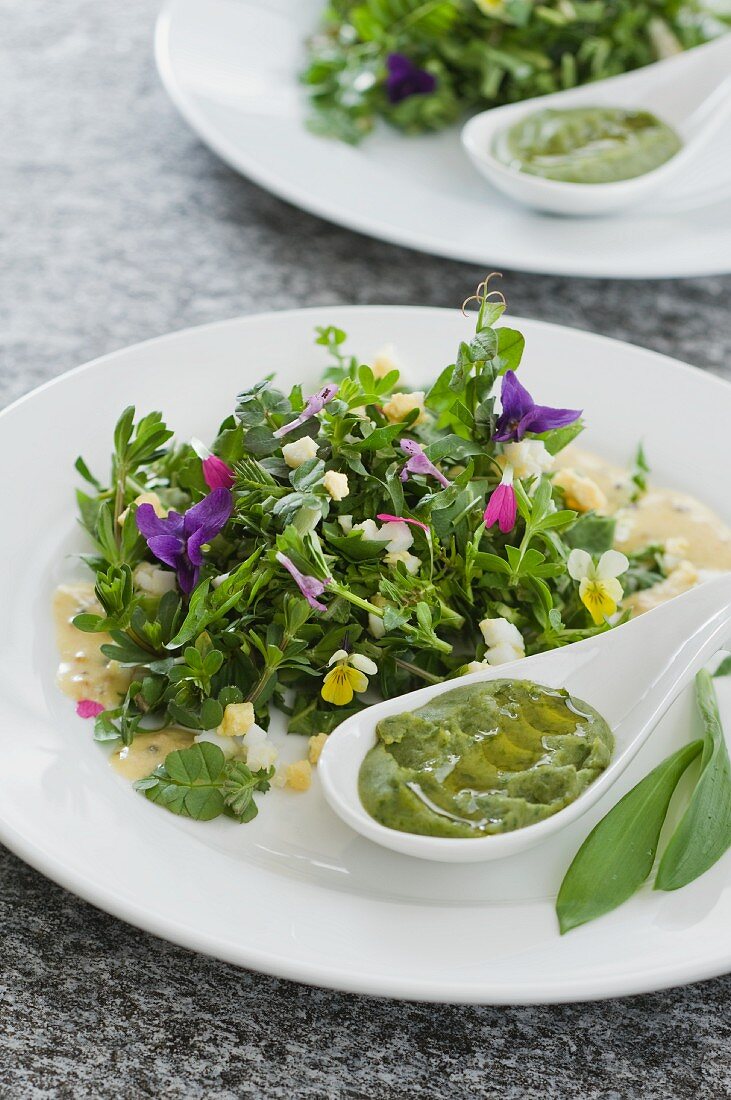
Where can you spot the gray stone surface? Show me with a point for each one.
(116, 226)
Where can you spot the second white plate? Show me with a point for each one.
(231, 68)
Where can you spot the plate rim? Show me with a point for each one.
(375, 229)
(73, 878)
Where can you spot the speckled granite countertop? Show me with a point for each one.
(117, 225)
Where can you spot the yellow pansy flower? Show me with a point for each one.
(346, 676)
(599, 589)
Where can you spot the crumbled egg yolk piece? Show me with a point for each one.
(294, 454)
(315, 745)
(336, 485)
(299, 775)
(238, 718)
(401, 404)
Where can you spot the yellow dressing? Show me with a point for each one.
(137, 760)
(84, 671)
(663, 514)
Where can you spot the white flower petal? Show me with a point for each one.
(338, 655)
(579, 564)
(611, 564)
(363, 664)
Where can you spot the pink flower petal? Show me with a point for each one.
(502, 508)
(384, 517)
(89, 708)
(217, 473)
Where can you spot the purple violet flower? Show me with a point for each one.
(418, 463)
(178, 540)
(310, 587)
(405, 79)
(520, 414)
(314, 404)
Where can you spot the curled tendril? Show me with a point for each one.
(484, 294)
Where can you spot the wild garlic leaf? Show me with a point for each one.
(724, 669)
(704, 831)
(618, 854)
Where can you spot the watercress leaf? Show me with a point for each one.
(558, 438)
(196, 618)
(704, 831)
(618, 854)
(189, 782)
(592, 533)
(211, 714)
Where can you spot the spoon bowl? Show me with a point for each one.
(691, 92)
(630, 674)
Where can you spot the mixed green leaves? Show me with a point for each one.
(245, 629)
(619, 853)
(481, 53)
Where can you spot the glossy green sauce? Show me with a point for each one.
(587, 144)
(487, 758)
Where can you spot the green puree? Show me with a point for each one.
(487, 758)
(587, 144)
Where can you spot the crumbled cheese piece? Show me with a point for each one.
(375, 625)
(410, 561)
(401, 404)
(581, 493)
(294, 454)
(229, 746)
(504, 641)
(375, 622)
(299, 775)
(495, 631)
(371, 530)
(153, 580)
(336, 485)
(315, 745)
(385, 361)
(238, 718)
(279, 779)
(146, 498)
(529, 458)
(397, 536)
(261, 756)
(502, 653)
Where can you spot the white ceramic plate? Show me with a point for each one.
(230, 67)
(296, 893)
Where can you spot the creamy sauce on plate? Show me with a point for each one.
(139, 759)
(84, 671)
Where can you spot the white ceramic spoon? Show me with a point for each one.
(630, 675)
(691, 92)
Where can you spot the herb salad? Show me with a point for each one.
(421, 65)
(328, 550)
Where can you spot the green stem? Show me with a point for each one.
(416, 671)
